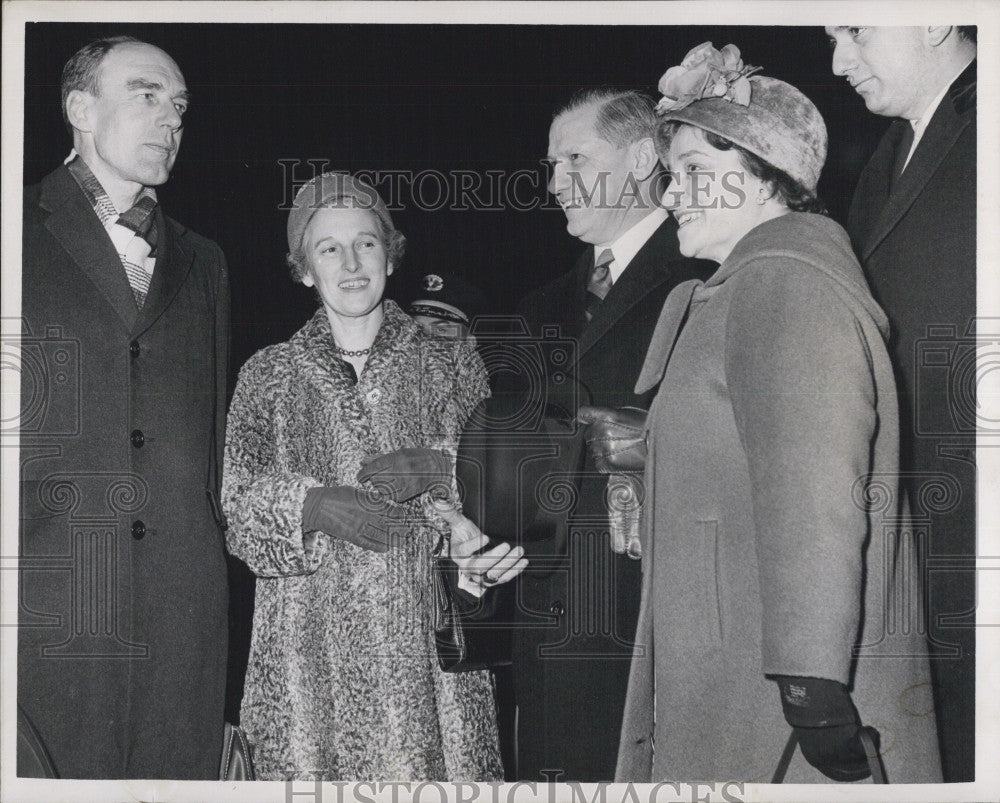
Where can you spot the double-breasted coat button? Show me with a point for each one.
(138, 529)
(374, 396)
(133, 348)
(137, 438)
(557, 608)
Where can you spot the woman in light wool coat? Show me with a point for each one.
(779, 585)
(343, 681)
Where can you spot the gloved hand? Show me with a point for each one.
(827, 726)
(616, 437)
(351, 515)
(407, 473)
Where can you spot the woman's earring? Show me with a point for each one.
(761, 198)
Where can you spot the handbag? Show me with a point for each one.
(865, 734)
(465, 643)
(237, 763)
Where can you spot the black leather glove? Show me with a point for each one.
(407, 473)
(616, 437)
(827, 726)
(351, 515)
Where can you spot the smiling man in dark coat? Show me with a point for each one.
(123, 590)
(579, 598)
(913, 225)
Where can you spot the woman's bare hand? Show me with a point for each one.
(499, 564)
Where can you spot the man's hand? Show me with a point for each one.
(616, 437)
(407, 473)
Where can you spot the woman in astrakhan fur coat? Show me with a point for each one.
(343, 681)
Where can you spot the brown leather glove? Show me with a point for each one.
(352, 515)
(407, 473)
(616, 437)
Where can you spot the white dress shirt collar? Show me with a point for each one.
(920, 125)
(629, 244)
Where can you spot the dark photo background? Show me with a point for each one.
(472, 98)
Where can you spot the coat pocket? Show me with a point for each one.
(708, 548)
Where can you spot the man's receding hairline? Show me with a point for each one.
(591, 105)
(136, 44)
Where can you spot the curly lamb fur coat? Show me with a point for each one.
(343, 682)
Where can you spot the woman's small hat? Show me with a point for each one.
(324, 191)
(713, 90)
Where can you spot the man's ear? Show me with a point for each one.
(78, 105)
(936, 34)
(644, 158)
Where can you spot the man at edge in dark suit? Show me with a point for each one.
(123, 590)
(578, 600)
(913, 225)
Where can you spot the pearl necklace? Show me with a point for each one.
(359, 353)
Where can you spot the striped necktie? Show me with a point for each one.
(600, 283)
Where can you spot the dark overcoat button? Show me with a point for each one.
(138, 529)
(133, 348)
(137, 438)
(557, 608)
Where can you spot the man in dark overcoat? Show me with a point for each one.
(123, 591)
(913, 225)
(578, 600)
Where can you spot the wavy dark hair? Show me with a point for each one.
(791, 192)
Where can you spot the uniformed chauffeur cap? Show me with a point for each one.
(448, 297)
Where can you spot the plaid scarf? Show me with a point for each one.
(133, 232)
